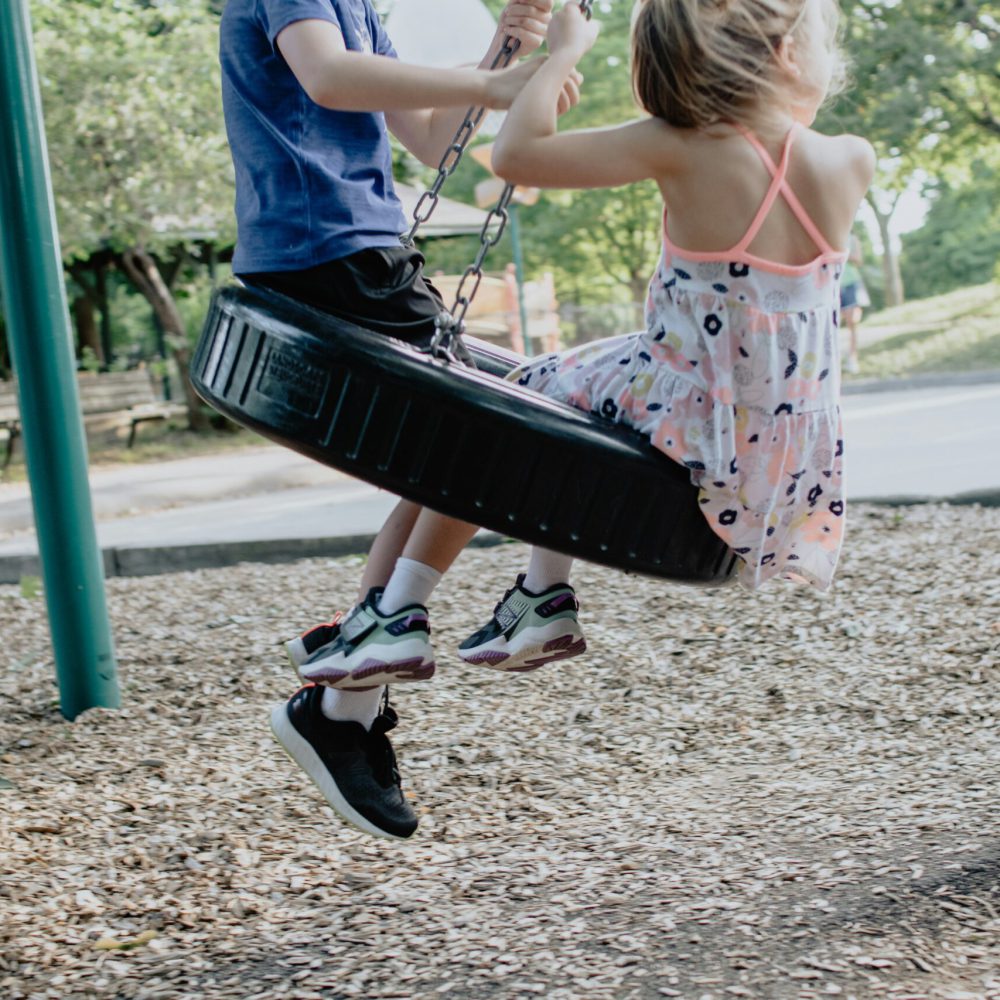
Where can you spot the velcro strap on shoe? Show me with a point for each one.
(358, 624)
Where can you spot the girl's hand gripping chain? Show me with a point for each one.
(571, 33)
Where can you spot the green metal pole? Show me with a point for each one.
(515, 241)
(34, 299)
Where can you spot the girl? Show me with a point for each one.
(736, 375)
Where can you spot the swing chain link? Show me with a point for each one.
(453, 154)
(450, 325)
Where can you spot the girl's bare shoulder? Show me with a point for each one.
(849, 156)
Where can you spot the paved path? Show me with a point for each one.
(928, 443)
(269, 503)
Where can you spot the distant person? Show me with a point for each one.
(736, 376)
(853, 299)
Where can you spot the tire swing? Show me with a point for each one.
(460, 441)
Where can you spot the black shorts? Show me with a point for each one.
(382, 289)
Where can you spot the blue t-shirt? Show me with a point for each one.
(312, 184)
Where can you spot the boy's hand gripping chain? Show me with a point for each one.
(449, 326)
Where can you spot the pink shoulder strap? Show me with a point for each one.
(779, 185)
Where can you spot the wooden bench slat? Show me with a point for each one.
(131, 392)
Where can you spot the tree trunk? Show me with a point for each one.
(145, 275)
(890, 262)
(101, 293)
(82, 307)
(86, 327)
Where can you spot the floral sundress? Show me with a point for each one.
(736, 377)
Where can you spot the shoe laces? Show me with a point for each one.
(503, 600)
(381, 756)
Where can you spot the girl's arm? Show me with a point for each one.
(529, 149)
(429, 131)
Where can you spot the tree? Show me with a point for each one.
(925, 90)
(136, 141)
(959, 243)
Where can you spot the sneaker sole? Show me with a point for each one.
(372, 673)
(531, 650)
(386, 663)
(300, 751)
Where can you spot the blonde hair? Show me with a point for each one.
(696, 63)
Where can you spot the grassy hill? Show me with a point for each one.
(955, 332)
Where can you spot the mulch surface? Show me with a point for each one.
(782, 795)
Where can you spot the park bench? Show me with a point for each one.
(131, 393)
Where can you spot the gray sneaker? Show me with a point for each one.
(371, 649)
(528, 630)
(312, 640)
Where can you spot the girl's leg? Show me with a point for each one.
(535, 623)
(545, 569)
(430, 543)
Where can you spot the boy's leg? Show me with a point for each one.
(388, 546)
(386, 638)
(382, 556)
(339, 737)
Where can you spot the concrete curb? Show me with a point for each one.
(981, 498)
(932, 380)
(152, 561)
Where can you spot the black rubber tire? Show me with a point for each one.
(459, 441)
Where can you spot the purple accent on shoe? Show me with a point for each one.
(556, 604)
(412, 669)
(559, 649)
(324, 675)
(414, 619)
(379, 671)
(490, 656)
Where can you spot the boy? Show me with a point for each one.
(310, 88)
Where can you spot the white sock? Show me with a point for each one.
(545, 569)
(352, 706)
(411, 582)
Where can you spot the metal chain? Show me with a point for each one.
(449, 326)
(453, 154)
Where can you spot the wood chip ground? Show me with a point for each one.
(774, 796)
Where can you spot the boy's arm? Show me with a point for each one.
(342, 80)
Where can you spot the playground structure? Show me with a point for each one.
(34, 300)
(495, 314)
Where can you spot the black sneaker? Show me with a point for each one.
(354, 770)
(312, 640)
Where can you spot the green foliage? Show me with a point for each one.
(133, 121)
(600, 245)
(959, 243)
(957, 331)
